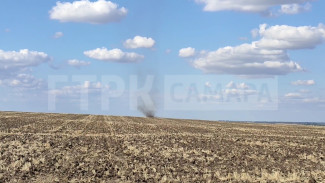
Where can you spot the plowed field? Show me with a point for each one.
(39, 147)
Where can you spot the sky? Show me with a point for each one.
(256, 60)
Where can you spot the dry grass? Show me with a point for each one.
(86, 148)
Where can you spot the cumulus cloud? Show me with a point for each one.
(237, 91)
(15, 67)
(14, 60)
(57, 35)
(242, 86)
(98, 12)
(255, 33)
(303, 96)
(289, 37)
(263, 58)
(246, 59)
(231, 84)
(303, 82)
(186, 52)
(139, 42)
(23, 81)
(304, 91)
(208, 84)
(77, 63)
(253, 6)
(294, 8)
(233, 88)
(114, 55)
(314, 100)
(76, 90)
(293, 95)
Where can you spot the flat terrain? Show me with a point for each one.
(88, 148)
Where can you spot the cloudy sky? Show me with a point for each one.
(256, 60)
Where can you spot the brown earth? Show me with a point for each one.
(36, 147)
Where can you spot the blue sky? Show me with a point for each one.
(210, 59)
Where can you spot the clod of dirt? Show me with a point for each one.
(312, 180)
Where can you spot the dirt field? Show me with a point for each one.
(87, 148)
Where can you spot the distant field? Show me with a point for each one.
(88, 148)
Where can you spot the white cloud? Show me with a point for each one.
(313, 100)
(139, 42)
(77, 63)
(57, 35)
(211, 97)
(255, 33)
(263, 58)
(114, 55)
(186, 52)
(304, 82)
(293, 95)
(15, 66)
(303, 97)
(23, 81)
(242, 86)
(76, 90)
(294, 8)
(304, 91)
(208, 84)
(246, 60)
(233, 88)
(240, 90)
(288, 37)
(24, 58)
(98, 12)
(252, 6)
(231, 84)
(237, 91)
